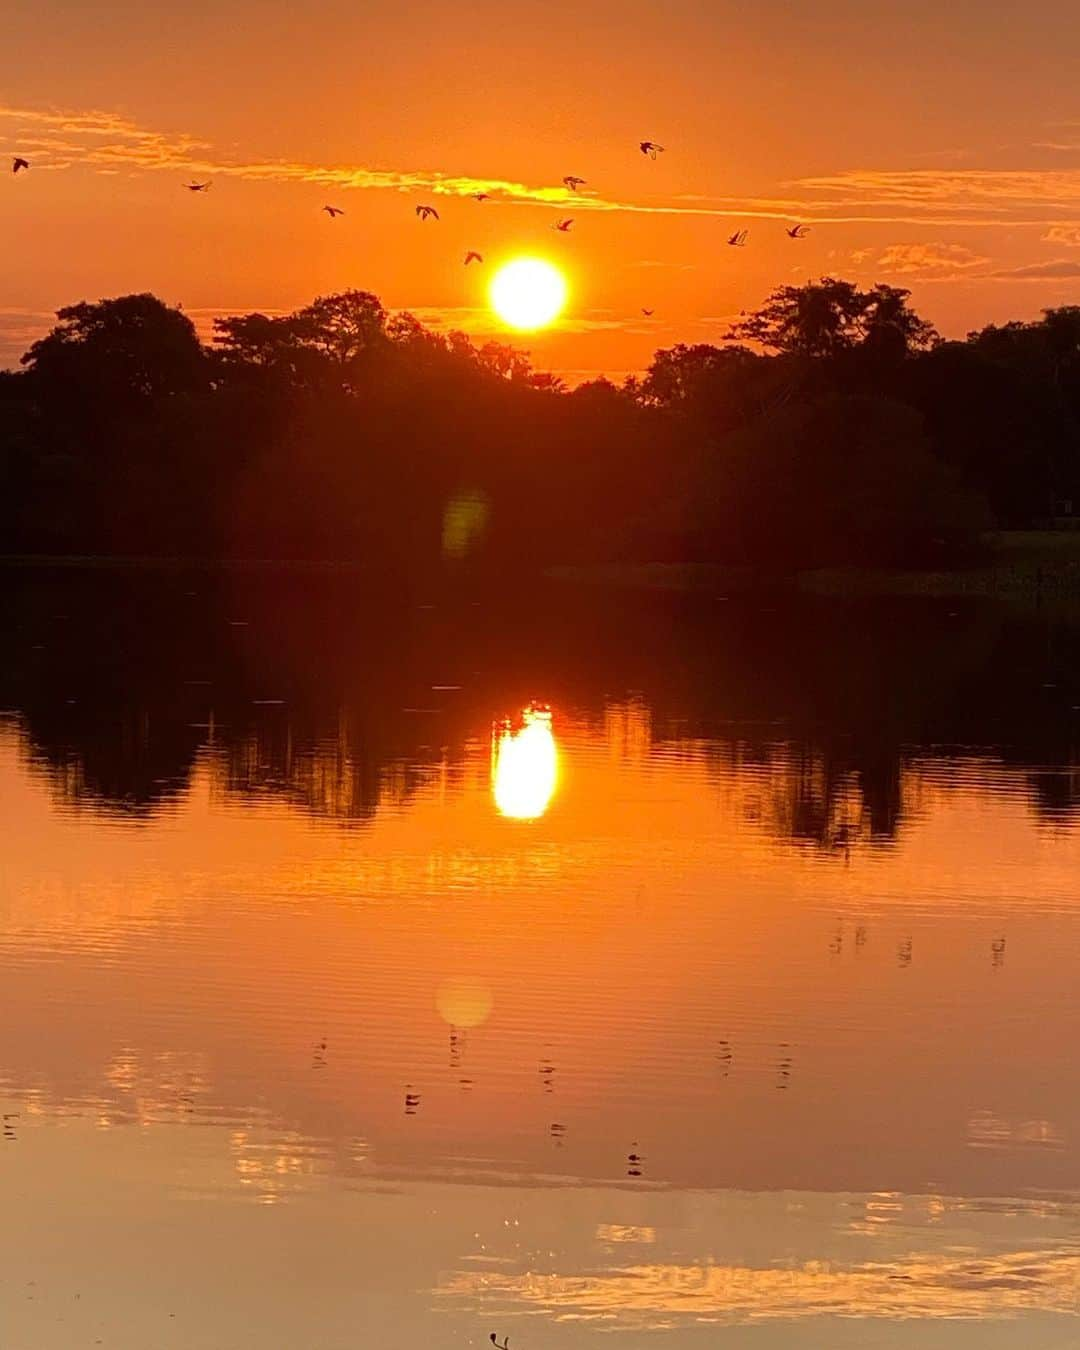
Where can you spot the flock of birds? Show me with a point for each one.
(424, 212)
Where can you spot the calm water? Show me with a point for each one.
(733, 1000)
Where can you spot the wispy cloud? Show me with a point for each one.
(991, 195)
(107, 141)
(660, 263)
(111, 143)
(479, 322)
(1057, 269)
(931, 261)
(1069, 235)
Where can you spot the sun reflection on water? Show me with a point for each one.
(525, 766)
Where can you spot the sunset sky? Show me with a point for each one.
(936, 147)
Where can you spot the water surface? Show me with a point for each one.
(396, 970)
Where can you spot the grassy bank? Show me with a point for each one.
(1023, 564)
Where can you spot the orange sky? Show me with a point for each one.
(929, 146)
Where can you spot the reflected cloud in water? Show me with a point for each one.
(921, 1286)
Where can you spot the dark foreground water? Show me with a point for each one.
(389, 971)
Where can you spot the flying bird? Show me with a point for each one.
(739, 238)
(798, 231)
(562, 225)
(19, 163)
(193, 186)
(648, 313)
(573, 183)
(473, 256)
(333, 211)
(481, 196)
(651, 149)
(424, 211)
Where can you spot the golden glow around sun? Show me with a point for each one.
(526, 766)
(528, 293)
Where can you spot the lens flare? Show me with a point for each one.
(526, 766)
(464, 1003)
(528, 293)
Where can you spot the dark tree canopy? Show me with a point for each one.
(830, 425)
(827, 317)
(131, 348)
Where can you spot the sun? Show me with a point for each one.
(528, 293)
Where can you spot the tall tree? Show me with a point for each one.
(828, 317)
(130, 349)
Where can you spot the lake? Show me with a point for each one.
(398, 968)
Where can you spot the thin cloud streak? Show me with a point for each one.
(111, 143)
(964, 190)
(478, 321)
(1057, 269)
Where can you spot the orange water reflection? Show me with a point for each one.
(827, 1057)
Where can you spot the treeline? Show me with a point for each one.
(831, 425)
(120, 683)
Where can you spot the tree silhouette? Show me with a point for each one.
(128, 350)
(828, 317)
(832, 425)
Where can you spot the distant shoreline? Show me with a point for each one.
(1018, 564)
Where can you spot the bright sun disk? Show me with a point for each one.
(528, 293)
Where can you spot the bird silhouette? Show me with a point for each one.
(739, 238)
(573, 183)
(481, 196)
(562, 225)
(194, 186)
(648, 313)
(798, 231)
(424, 211)
(473, 256)
(19, 163)
(333, 211)
(651, 149)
